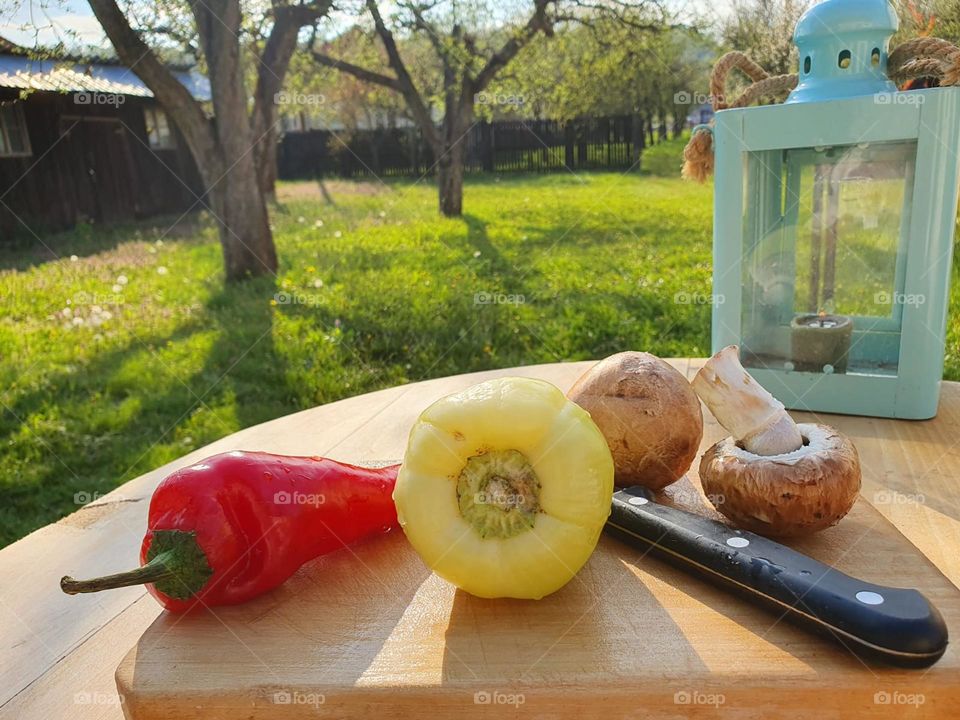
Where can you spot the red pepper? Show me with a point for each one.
(236, 525)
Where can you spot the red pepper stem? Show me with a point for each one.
(156, 570)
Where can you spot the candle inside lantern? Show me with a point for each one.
(820, 342)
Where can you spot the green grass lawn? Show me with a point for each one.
(129, 351)
(132, 352)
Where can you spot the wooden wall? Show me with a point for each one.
(90, 163)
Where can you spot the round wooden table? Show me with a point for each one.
(59, 653)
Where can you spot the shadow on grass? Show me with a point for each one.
(26, 250)
(84, 432)
(479, 239)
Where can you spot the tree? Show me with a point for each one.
(469, 57)
(612, 68)
(764, 30)
(233, 149)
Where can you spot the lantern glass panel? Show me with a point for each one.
(824, 257)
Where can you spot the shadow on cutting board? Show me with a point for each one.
(602, 624)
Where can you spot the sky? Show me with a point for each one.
(49, 22)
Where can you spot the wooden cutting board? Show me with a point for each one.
(370, 632)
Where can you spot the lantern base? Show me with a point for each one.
(847, 394)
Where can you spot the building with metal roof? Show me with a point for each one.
(21, 72)
(85, 141)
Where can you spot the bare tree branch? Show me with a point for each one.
(538, 22)
(421, 23)
(407, 88)
(358, 72)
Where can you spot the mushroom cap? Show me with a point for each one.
(785, 495)
(648, 413)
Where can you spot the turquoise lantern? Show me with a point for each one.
(833, 225)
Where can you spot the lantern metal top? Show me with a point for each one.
(843, 48)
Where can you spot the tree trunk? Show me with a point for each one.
(458, 109)
(239, 204)
(244, 226)
(636, 140)
(271, 71)
(678, 123)
(267, 170)
(450, 180)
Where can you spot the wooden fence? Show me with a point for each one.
(502, 146)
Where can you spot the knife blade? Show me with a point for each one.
(895, 625)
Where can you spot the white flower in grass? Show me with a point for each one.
(117, 288)
(162, 270)
(122, 280)
(301, 219)
(338, 234)
(318, 223)
(73, 258)
(78, 320)
(476, 253)
(318, 283)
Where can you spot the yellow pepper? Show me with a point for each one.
(505, 488)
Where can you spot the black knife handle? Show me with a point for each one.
(896, 625)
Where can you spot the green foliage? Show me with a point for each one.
(136, 352)
(609, 68)
(608, 63)
(763, 29)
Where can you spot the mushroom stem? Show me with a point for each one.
(751, 414)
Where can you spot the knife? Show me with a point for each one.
(896, 625)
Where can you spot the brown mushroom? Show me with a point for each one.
(771, 476)
(784, 495)
(648, 413)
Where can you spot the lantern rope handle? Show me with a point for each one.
(925, 57)
(920, 57)
(698, 154)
